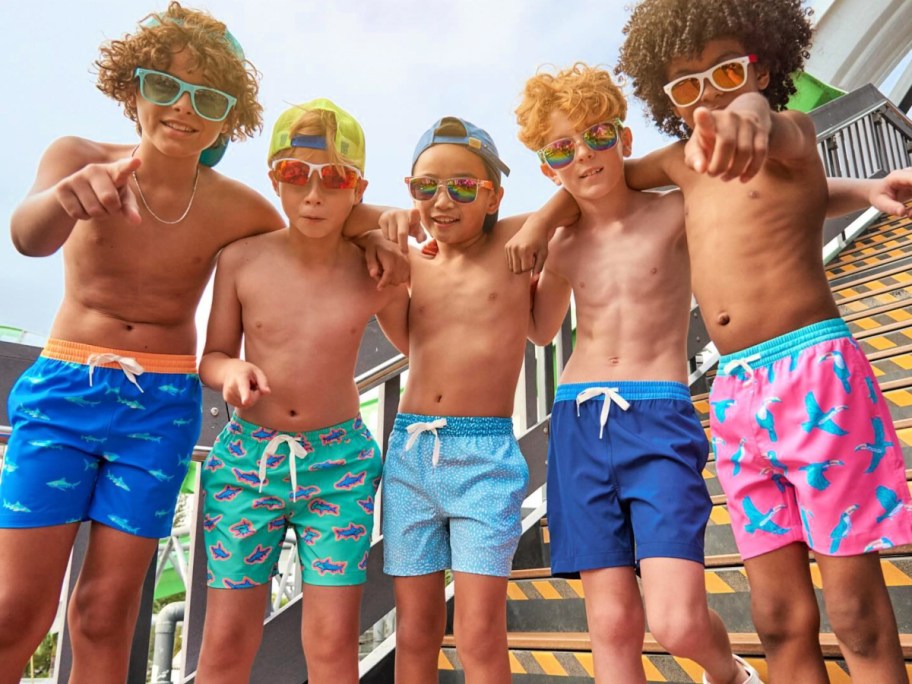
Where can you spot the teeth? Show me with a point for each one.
(178, 127)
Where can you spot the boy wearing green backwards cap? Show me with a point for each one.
(296, 453)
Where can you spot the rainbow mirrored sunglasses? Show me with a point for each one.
(724, 76)
(560, 153)
(332, 176)
(462, 190)
(164, 89)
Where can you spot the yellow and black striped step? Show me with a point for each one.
(885, 233)
(891, 252)
(557, 604)
(566, 658)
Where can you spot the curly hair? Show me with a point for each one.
(152, 46)
(777, 31)
(585, 94)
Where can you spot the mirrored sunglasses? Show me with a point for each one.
(725, 76)
(602, 136)
(462, 190)
(164, 89)
(332, 176)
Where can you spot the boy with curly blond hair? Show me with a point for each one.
(798, 392)
(626, 451)
(105, 421)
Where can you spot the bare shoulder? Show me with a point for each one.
(240, 210)
(70, 153)
(507, 227)
(249, 249)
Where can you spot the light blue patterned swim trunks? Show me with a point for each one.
(452, 492)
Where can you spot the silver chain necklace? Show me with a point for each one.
(156, 216)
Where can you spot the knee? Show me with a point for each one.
(99, 616)
(616, 625)
(420, 633)
(478, 637)
(855, 624)
(779, 621)
(22, 619)
(681, 633)
(328, 641)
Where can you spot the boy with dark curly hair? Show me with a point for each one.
(792, 393)
(626, 450)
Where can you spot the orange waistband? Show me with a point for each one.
(76, 352)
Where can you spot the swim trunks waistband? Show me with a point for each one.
(767, 353)
(76, 352)
(631, 390)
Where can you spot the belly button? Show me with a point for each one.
(723, 319)
(439, 398)
(292, 413)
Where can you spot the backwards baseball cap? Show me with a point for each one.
(349, 138)
(213, 154)
(451, 130)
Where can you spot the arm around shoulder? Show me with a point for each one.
(550, 302)
(393, 317)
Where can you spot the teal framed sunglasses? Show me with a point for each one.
(164, 89)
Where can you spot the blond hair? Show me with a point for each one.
(583, 93)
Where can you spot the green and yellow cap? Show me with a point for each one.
(349, 138)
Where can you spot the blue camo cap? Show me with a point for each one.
(451, 130)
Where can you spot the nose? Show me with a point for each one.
(184, 102)
(313, 191)
(582, 150)
(442, 197)
(710, 92)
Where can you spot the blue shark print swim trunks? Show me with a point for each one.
(258, 482)
(100, 434)
(452, 493)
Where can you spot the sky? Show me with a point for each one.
(396, 65)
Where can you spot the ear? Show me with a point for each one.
(626, 141)
(275, 183)
(549, 173)
(494, 201)
(763, 76)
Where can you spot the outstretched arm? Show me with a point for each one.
(550, 302)
(735, 142)
(887, 194)
(528, 248)
(69, 187)
(242, 383)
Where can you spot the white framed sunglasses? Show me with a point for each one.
(725, 76)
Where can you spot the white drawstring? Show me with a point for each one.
(611, 396)
(128, 365)
(415, 429)
(295, 450)
(743, 363)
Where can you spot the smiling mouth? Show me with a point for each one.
(444, 220)
(178, 127)
(591, 172)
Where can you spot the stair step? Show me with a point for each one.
(557, 604)
(877, 236)
(875, 256)
(566, 658)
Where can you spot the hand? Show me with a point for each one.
(244, 384)
(728, 143)
(890, 192)
(528, 249)
(397, 224)
(99, 190)
(385, 262)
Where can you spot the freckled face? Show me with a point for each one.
(592, 173)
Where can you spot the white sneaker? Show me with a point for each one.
(752, 676)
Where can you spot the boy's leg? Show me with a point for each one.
(861, 615)
(231, 634)
(329, 633)
(614, 613)
(420, 624)
(105, 603)
(785, 613)
(680, 619)
(31, 574)
(480, 626)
